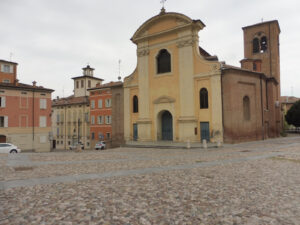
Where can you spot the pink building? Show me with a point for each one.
(25, 111)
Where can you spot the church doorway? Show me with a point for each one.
(165, 121)
(2, 139)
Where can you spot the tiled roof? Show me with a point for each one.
(24, 87)
(107, 85)
(71, 100)
(288, 99)
(90, 77)
(1, 60)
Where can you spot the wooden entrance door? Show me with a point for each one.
(167, 126)
(204, 127)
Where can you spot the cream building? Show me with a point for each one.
(174, 93)
(70, 116)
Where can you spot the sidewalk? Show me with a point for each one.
(169, 144)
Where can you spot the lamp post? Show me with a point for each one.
(78, 135)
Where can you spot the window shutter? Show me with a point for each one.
(3, 102)
(42, 121)
(5, 121)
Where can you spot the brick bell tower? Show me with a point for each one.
(261, 54)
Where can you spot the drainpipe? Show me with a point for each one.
(222, 103)
(262, 109)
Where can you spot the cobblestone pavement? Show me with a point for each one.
(249, 183)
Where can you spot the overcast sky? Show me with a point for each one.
(52, 40)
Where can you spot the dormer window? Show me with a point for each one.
(163, 61)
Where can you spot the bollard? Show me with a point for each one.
(188, 144)
(204, 143)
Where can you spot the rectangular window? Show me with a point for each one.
(92, 120)
(6, 81)
(108, 119)
(43, 103)
(108, 135)
(77, 84)
(6, 68)
(43, 121)
(3, 121)
(92, 104)
(89, 83)
(93, 136)
(100, 103)
(87, 117)
(2, 102)
(82, 84)
(57, 118)
(100, 119)
(108, 102)
(57, 131)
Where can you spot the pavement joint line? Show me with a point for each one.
(74, 178)
(24, 160)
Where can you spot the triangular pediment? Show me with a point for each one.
(179, 21)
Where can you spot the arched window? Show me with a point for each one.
(255, 45)
(246, 108)
(163, 61)
(203, 98)
(135, 104)
(263, 44)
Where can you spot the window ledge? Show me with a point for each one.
(163, 74)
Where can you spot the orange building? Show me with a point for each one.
(106, 111)
(25, 111)
(101, 113)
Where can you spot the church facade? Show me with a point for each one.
(179, 92)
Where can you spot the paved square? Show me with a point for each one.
(250, 183)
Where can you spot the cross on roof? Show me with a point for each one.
(163, 3)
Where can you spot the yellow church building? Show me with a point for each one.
(174, 93)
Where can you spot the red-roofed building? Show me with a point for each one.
(25, 111)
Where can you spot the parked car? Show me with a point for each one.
(100, 145)
(74, 146)
(9, 148)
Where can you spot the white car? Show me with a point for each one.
(9, 148)
(100, 145)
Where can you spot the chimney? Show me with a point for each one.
(34, 83)
(16, 82)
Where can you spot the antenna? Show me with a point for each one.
(10, 56)
(292, 91)
(119, 77)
